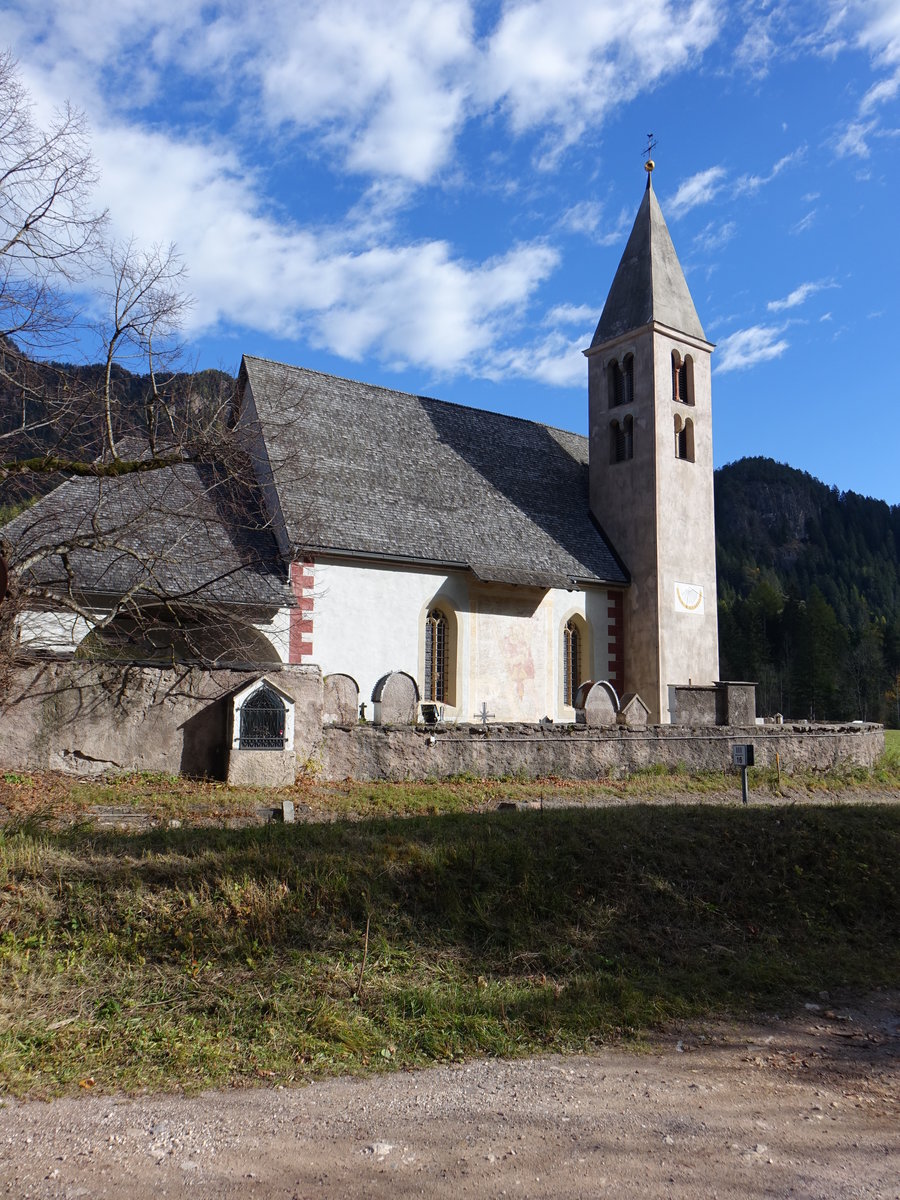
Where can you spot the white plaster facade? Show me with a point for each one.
(504, 643)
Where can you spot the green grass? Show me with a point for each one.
(892, 748)
(167, 797)
(210, 956)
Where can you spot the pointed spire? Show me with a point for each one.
(649, 284)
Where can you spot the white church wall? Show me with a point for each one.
(278, 631)
(56, 632)
(506, 642)
(368, 620)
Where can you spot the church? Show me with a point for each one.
(499, 563)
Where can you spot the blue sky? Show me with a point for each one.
(434, 194)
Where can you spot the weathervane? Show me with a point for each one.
(649, 164)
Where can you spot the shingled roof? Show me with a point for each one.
(187, 532)
(363, 470)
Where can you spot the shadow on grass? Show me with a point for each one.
(332, 946)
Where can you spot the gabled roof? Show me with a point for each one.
(363, 470)
(186, 532)
(649, 284)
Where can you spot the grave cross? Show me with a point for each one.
(483, 715)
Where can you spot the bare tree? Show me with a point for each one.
(48, 225)
(156, 514)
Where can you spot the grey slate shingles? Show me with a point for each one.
(182, 532)
(363, 470)
(358, 470)
(649, 284)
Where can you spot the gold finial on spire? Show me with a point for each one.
(649, 164)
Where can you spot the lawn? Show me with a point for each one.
(198, 956)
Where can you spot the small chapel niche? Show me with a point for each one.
(621, 440)
(262, 718)
(684, 438)
(261, 752)
(682, 378)
(620, 380)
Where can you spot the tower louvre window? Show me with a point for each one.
(684, 438)
(621, 440)
(435, 655)
(620, 378)
(628, 379)
(682, 378)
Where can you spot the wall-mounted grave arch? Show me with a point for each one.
(261, 749)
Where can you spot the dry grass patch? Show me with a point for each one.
(199, 956)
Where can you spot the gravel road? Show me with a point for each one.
(807, 1107)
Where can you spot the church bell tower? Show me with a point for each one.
(651, 466)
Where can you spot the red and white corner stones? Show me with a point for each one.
(302, 584)
(616, 649)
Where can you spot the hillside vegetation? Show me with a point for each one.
(809, 593)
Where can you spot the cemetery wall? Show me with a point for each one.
(579, 752)
(88, 719)
(85, 718)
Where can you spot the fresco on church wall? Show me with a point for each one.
(511, 667)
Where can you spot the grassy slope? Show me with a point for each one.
(188, 957)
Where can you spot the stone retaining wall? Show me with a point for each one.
(89, 718)
(574, 752)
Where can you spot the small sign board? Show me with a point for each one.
(742, 756)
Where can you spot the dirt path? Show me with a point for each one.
(803, 1108)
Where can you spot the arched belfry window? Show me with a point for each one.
(571, 654)
(435, 656)
(628, 379)
(262, 721)
(621, 440)
(684, 438)
(620, 377)
(682, 378)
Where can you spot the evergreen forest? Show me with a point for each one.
(809, 594)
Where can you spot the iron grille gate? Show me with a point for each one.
(262, 721)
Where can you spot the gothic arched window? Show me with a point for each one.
(571, 653)
(435, 656)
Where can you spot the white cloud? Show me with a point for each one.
(570, 314)
(799, 295)
(805, 222)
(880, 93)
(384, 82)
(748, 184)
(587, 217)
(418, 305)
(384, 87)
(852, 141)
(698, 189)
(747, 347)
(714, 236)
(556, 360)
(567, 64)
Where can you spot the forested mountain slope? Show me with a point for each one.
(809, 593)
